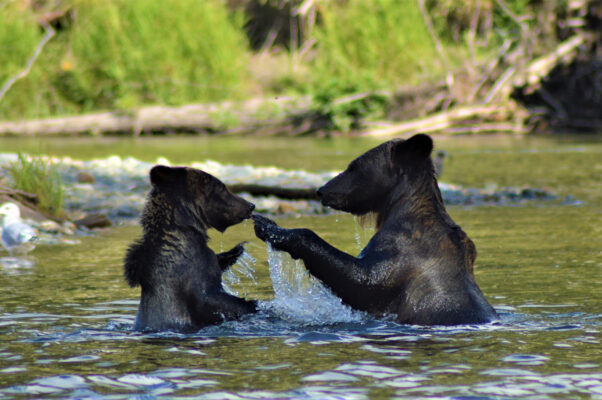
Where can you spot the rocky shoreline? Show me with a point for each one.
(116, 188)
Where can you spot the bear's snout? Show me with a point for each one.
(245, 209)
(326, 196)
(250, 208)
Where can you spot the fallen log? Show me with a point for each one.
(187, 118)
(270, 116)
(485, 128)
(19, 195)
(445, 120)
(280, 192)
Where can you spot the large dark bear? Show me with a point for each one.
(179, 274)
(418, 266)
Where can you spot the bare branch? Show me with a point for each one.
(512, 16)
(490, 68)
(438, 45)
(49, 34)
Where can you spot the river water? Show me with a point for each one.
(66, 313)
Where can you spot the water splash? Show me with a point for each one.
(244, 267)
(365, 228)
(301, 297)
(358, 238)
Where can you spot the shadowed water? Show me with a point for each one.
(66, 312)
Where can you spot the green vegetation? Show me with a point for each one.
(23, 100)
(342, 109)
(151, 51)
(390, 45)
(35, 175)
(122, 54)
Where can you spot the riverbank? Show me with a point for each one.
(492, 66)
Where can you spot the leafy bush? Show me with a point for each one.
(343, 107)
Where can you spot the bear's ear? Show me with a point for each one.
(161, 175)
(418, 146)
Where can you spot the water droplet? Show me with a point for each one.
(245, 268)
(300, 296)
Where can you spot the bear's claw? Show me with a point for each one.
(265, 228)
(228, 258)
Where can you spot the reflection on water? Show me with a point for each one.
(265, 357)
(66, 315)
(16, 265)
(65, 326)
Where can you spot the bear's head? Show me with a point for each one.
(199, 199)
(370, 179)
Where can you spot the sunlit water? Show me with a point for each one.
(66, 313)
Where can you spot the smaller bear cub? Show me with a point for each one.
(179, 275)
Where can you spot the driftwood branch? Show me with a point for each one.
(489, 70)
(512, 16)
(188, 118)
(49, 34)
(280, 192)
(501, 85)
(427, 20)
(27, 202)
(444, 120)
(18, 194)
(541, 67)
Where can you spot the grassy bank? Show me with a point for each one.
(121, 54)
(36, 176)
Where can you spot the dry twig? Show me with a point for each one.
(49, 34)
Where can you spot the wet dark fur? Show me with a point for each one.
(179, 275)
(418, 266)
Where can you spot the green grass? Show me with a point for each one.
(149, 51)
(19, 37)
(123, 54)
(120, 54)
(384, 41)
(36, 176)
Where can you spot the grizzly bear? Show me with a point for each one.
(179, 275)
(418, 266)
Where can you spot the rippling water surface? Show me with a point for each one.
(66, 313)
